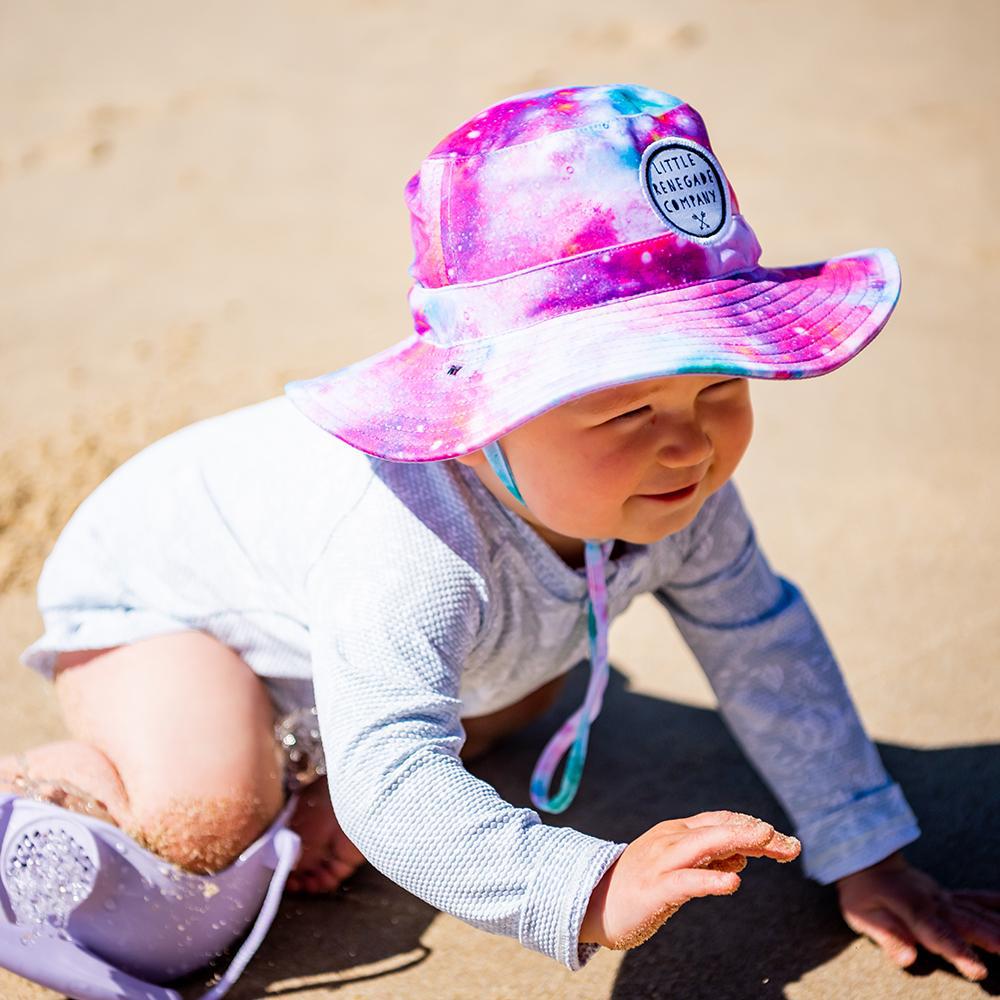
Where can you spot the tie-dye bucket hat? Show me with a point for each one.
(570, 240)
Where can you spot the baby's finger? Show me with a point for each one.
(693, 883)
(734, 863)
(977, 926)
(781, 847)
(721, 817)
(979, 897)
(700, 847)
(938, 934)
(889, 933)
(677, 888)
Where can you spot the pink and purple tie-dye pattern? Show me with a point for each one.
(542, 271)
(452, 314)
(496, 200)
(418, 402)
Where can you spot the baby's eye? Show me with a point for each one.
(728, 383)
(630, 414)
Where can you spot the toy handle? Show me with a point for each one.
(287, 845)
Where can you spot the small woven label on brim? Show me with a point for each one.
(685, 185)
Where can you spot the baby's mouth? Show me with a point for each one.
(673, 496)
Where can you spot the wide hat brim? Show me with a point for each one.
(422, 402)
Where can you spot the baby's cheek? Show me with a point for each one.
(583, 494)
(731, 436)
(585, 519)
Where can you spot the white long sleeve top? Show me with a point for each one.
(404, 597)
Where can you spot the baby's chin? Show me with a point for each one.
(639, 523)
(650, 537)
(650, 525)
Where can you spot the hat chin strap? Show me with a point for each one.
(573, 735)
(499, 464)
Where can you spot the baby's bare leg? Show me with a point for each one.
(174, 736)
(70, 774)
(483, 732)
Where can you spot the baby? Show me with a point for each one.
(423, 544)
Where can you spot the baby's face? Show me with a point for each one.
(597, 467)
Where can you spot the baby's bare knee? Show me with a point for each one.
(70, 774)
(202, 834)
(10, 773)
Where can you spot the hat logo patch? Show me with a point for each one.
(684, 183)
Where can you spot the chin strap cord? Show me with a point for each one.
(574, 733)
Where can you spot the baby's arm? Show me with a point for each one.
(393, 619)
(781, 692)
(389, 633)
(389, 716)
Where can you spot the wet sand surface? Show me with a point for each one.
(200, 202)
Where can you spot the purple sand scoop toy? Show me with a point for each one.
(86, 911)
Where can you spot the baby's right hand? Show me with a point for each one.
(673, 862)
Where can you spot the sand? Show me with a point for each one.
(200, 201)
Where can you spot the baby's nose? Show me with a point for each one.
(685, 445)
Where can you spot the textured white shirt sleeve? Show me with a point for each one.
(782, 695)
(392, 620)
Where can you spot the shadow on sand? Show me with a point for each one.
(651, 760)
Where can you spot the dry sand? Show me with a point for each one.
(199, 201)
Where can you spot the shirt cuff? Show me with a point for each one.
(557, 900)
(857, 834)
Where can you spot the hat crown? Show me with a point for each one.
(570, 240)
(538, 114)
(541, 177)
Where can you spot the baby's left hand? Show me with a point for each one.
(899, 907)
